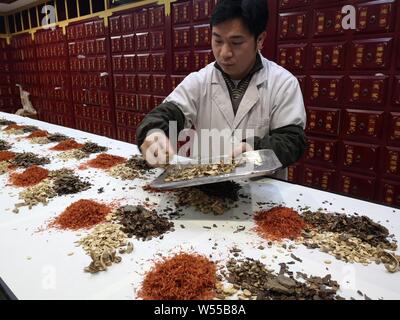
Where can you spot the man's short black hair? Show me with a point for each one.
(253, 13)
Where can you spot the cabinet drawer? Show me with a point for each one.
(320, 178)
(376, 16)
(363, 124)
(323, 121)
(390, 192)
(321, 150)
(325, 90)
(371, 54)
(357, 156)
(368, 90)
(357, 185)
(292, 25)
(391, 161)
(328, 56)
(292, 57)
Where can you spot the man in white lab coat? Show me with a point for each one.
(240, 90)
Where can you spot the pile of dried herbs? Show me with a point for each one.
(68, 183)
(122, 171)
(181, 277)
(29, 177)
(59, 182)
(57, 137)
(257, 282)
(91, 147)
(4, 167)
(28, 159)
(40, 193)
(227, 190)
(212, 198)
(279, 223)
(101, 244)
(133, 168)
(350, 238)
(4, 145)
(360, 227)
(142, 223)
(29, 129)
(4, 122)
(77, 154)
(14, 129)
(137, 163)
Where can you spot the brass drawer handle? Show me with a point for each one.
(372, 19)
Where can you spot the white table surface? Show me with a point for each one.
(36, 265)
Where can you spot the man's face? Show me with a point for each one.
(234, 48)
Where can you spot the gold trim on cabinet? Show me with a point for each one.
(105, 14)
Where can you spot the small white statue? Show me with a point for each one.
(27, 108)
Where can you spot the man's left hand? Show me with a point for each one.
(240, 148)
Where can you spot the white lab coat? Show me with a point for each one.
(272, 100)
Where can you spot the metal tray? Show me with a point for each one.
(252, 164)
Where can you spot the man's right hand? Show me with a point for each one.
(157, 149)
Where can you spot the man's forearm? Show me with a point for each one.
(159, 118)
(288, 143)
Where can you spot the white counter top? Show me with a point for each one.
(37, 265)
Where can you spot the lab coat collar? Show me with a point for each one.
(222, 99)
(260, 76)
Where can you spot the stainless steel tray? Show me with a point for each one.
(252, 164)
